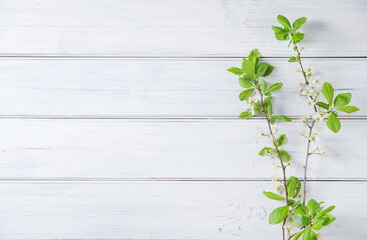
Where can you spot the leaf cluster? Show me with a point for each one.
(333, 105)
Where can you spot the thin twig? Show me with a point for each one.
(310, 126)
(278, 152)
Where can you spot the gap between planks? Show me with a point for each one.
(119, 180)
(157, 117)
(168, 57)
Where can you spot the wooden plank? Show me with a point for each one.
(191, 149)
(177, 27)
(163, 210)
(156, 87)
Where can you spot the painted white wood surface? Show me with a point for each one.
(163, 210)
(167, 160)
(169, 149)
(156, 87)
(177, 27)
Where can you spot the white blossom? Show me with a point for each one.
(314, 137)
(303, 134)
(318, 117)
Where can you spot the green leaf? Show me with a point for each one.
(292, 59)
(293, 186)
(244, 95)
(268, 70)
(281, 140)
(313, 236)
(287, 119)
(248, 66)
(284, 21)
(333, 123)
(266, 150)
(298, 234)
(301, 209)
(273, 196)
(245, 83)
(307, 234)
(246, 114)
(313, 207)
(249, 77)
(264, 69)
(328, 219)
(297, 37)
(257, 107)
(328, 92)
(268, 106)
(282, 36)
(275, 87)
(325, 211)
(299, 22)
(273, 119)
(254, 56)
(277, 29)
(278, 215)
(323, 105)
(285, 156)
(348, 109)
(262, 85)
(342, 99)
(235, 70)
(301, 220)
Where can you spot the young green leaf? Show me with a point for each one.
(266, 150)
(244, 95)
(264, 69)
(333, 123)
(299, 22)
(262, 85)
(275, 87)
(235, 70)
(257, 107)
(281, 140)
(342, 99)
(293, 186)
(301, 220)
(254, 56)
(287, 119)
(348, 109)
(284, 21)
(245, 83)
(277, 29)
(328, 219)
(313, 206)
(248, 66)
(292, 59)
(328, 92)
(285, 156)
(325, 211)
(273, 196)
(278, 215)
(297, 37)
(298, 234)
(246, 114)
(268, 106)
(323, 105)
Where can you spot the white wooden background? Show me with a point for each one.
(118, 119)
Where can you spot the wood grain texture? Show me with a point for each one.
(163, 210)
(177, 27)
(157, 87)
(168, 149)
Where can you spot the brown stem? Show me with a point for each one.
(278, 152)
(306, 164)
(310, 127)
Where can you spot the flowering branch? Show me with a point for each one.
(298, 219)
